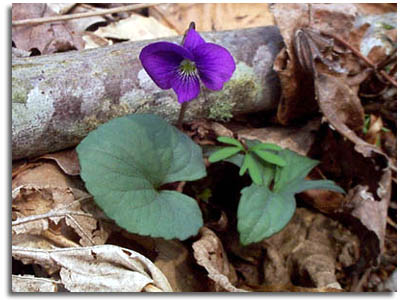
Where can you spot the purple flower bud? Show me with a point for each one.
(181, 67)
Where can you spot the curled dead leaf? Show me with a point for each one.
(104, 268)
(209, 253)
(335, 100)
(372, 212)
(67, 160)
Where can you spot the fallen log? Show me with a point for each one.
(58, 99)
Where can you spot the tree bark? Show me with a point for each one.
(58, 99)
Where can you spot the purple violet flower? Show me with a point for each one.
(180, 67)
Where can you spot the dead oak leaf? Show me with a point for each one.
(372, 213)
(47, 38)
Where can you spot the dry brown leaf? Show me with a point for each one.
(46, 202)
(212, 16)
(324, 200)
(32, 284)
(44, 175)
(172, 257)
(297, 100)
(370, 211)
(135, 28)
(82, 24)
(47, 38)
(295, 139)
(67, 160)
(308, 252)
(310, 244)
(209, 253)
(368, 182)
(50, 212)
(175, 261)
(336, 100)
(338, 18)
(94, 41)
(104, 268)
(376, 8)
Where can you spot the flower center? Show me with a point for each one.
(187, 67)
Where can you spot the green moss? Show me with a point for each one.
(19, 91)
(221, 110)
(235, 94)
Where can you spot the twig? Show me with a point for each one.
(59, 240)
(361, 56)
(50, 214)
(38, 21)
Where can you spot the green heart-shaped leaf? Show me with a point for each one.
(297, 167)
(125, 162)
(261, 213)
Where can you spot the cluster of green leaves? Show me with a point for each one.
(126, 162)
(268, 204)
(257, 160)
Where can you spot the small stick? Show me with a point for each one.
(38, 21)
(364, 58)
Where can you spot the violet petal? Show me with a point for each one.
(215, 65)
(186, 87)
(161, 61)
(192, 40)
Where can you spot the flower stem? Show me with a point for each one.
(192, 25)
(182, 114)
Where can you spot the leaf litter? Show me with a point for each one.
(333, 243)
